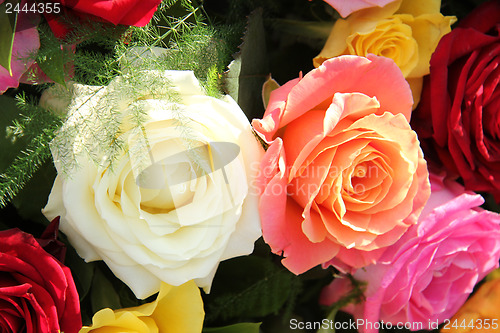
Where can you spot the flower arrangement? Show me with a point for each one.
(249, 166)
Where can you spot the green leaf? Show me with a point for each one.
(52, 57)
(246, 74)
(127, 297)
(313, 33)
(83, 273)
(33, 197)
(267, 89)
(8, 22)
(250, 287)
(330, 318)
(237, 328)
(232, 78)
(10, 148)
(52, 64)
(103, 294)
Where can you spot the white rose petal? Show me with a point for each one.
(168, 217)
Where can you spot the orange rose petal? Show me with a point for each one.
(273, 199)
(338, 206)
(352, 106)
(340, 162)
(401, 148)
(353, 194)
(301, 137)
(351, 73)
(399, 188)
(302, 254)
(341, 231)
(417, 196)
(314, 227)
(305, 188)
(359, 258)
(385, 239)
(357, 221)
(361, 172)
(373, 186)
(419, 191)
(268, 125)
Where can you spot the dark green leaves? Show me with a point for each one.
(102, 294)
(237, 328)
(247, 73)
(249, 288)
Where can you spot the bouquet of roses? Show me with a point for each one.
(156, 177)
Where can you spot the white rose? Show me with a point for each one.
(171, 216)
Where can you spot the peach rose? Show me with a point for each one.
(406, 31)
(344, 175)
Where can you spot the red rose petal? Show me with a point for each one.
(485, 17)
(41, 288)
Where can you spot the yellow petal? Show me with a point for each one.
(363, 21)
(391, 38)
(107, 321)
(427, 31)
(335, 44)
(416, 84)
(179, 309)
(176, 310)
(420, 7)
(144, 310)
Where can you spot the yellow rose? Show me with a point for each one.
(407, 31)
(176, 310)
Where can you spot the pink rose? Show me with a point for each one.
(428, 274)
(346, 7)
(344, 175)
(26, 45)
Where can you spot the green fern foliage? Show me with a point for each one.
(102, 57)
(37, 127)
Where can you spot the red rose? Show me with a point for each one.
(127, 12)
(460, 108)
(37, 292)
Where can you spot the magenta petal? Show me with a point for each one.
(26, 44)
